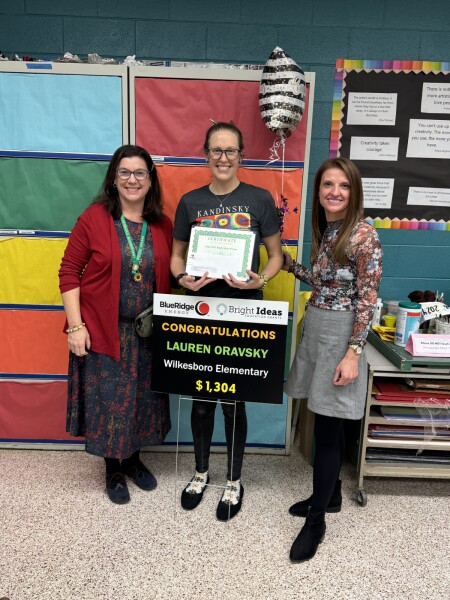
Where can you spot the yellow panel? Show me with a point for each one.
(29, 268)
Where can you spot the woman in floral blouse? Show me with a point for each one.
(330, 367)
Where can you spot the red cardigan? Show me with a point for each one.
(92, 261)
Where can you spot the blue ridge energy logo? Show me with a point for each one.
(202, 308)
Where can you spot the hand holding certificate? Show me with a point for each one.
(220, 251)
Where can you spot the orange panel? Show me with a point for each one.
(33, 342)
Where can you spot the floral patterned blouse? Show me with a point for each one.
(352, 286)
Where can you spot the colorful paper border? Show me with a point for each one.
(344, 65)
(410, 224)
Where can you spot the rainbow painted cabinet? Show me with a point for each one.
(59, 125)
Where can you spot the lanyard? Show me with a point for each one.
(136, 258)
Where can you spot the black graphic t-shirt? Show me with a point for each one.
(247, 207)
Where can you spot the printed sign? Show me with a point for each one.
(219, 347)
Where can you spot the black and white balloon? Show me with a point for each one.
(282, 93)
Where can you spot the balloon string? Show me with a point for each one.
(274, 151)
(283, 143)
(274, 156)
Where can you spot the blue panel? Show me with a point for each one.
(176, 41)
(289, 12)
(397, 288)
(396, 237)
(409, 14)
(266, 423)
(134, 9)
(23, 34)
(321, 120)
(324, 89)
(349, 13)
(384, 44)
(62, 7)
(416, 261)
(314, 44)
(17, 7)
(248, 43)
(434, 46)
(60, 113)
(205, 10)
(107, 37)
(320, 151)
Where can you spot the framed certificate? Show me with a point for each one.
(220, 252)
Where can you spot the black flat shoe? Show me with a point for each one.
(225, 509)
(140, 475)
(191, 499)
(116, 488)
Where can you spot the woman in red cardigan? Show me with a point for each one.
(118, 255)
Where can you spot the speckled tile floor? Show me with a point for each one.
(62, 539)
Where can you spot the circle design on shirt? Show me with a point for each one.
(223, 221)
(241, 220)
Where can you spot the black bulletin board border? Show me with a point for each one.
(406, 171)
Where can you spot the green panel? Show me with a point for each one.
(46, 194)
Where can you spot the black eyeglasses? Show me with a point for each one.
(139, 174)
(230, 153)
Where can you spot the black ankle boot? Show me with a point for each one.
(300, 509)
(308, 540)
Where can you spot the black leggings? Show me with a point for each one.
(329, 455)
(202, 422)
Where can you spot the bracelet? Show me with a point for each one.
(179, 277)
(265, 279)
(75, 328)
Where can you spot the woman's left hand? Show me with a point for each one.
(254, 282)
(347, 369)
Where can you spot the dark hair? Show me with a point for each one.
(220, 126)
(109, 196)
(353, 214)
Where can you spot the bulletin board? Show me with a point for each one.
(392, 118)
(170, 112)
(59, 126)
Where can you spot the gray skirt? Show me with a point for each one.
(323, 345)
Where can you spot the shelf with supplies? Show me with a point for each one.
(402, 359)
(405, 431)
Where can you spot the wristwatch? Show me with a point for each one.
(357, 349)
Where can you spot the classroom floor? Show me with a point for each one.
(62, 539)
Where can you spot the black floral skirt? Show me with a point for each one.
(110, 402)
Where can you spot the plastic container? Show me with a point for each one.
(442, 326)
(392, 306)
(377, 313)
(408, 321)
(390, 320)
